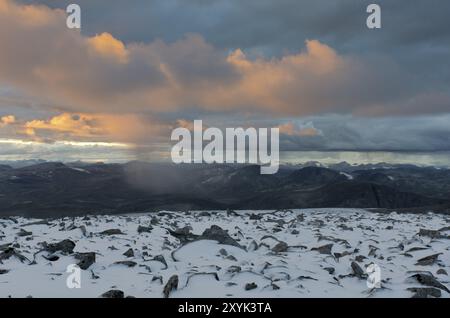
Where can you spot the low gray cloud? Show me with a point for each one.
(349, 133)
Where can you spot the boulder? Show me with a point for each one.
(172, 284)
(85, 260)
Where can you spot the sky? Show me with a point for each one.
(138, 69)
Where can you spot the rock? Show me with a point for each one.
(431, 234)
(330, 270)
(4, 247)
(204, 214)
(85, 260)
(71, 227)
(255, 217)
(345, 227)
(278, 222)
(154, 221)
(429, 280)
(23, 233)
(113, 294)
(231, 212)
(223, 252)
(11, 252)
(425, 292)
(231, 258)
(360, 258)
(126, 263)
(157, 278)
(94, 276)
(144, 229)
(428, 260)
(325, 249)
(65, 247)
(161, 259)
(184, 234)
(358, 271)
(441, 271)
(373, 250)
(129, 253)
(295, 232)
(275, 286)
(216, 233)
(172, 284)
(340, 255)
(4, 271)
(52, 258)
(213, 275)
(250, 286)
(302, 277)
(281, 247)
(316, 223)
(234, 269)
(112, 232)
(415, 249)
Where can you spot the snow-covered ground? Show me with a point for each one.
(264, 254)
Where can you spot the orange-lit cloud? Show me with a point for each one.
(7, 120)
(73, 124)
(304, 130)
(100, 74)
(126, 128)
(106, 45)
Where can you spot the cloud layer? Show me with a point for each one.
(67, 70)
(311, 69)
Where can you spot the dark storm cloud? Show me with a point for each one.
(415, 33)
(282, 24)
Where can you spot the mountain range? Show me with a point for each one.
(54, 189)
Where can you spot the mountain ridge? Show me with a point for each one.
(57, 189)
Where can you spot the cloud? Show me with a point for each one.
(65, 124)
(106, 45)
(353, 133)
(18, 149)
(102, 74)
(300, 130)
(7, 120)
(126, 128)
(134, 76)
